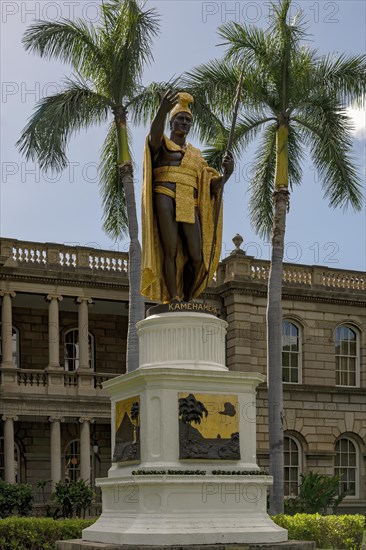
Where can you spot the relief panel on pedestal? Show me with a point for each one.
(208, 426)
(127, 426)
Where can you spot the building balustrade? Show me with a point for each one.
(41, 381)
(62, 257)
(237, 266)
(308, 276)
(246, 268)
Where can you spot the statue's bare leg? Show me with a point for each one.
(168, 232)
(193, 244)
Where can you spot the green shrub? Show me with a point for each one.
(15, 498)
(327, 531)
(74, 497)
(38, 533)
(317, 493)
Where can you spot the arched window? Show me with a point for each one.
(72, 461)
(15, 346)
(346, 466)
(292, 466)
(346, 350)
(291, 353)
(72, 350)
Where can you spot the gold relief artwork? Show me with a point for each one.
(127, 427)
(208, 426)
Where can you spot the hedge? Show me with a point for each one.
(327, 531)
(41, 533)
(38, 533)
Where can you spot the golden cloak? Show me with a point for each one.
(152, 280)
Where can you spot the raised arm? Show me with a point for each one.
(169, 100)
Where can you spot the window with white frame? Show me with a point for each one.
(292, 466)
(346, 351)
(72, 350)
(346, 466)
(72, 461)
(14, 344)
(291, 352)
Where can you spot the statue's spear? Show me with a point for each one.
(221, 192)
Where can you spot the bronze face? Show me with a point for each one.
(181, 124)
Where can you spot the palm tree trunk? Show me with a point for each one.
(274, 325)
(136, 301)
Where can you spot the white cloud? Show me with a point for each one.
(358, 117)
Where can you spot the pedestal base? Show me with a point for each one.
(184, 471)
(181, 509)
(290, 545)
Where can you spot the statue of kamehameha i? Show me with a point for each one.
(179, 208)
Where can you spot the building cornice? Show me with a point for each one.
(315, 389)
(73, 279)
(303, 295)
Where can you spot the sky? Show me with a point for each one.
(66, 208)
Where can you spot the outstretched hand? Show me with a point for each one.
(170, 100)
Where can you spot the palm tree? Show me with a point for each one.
(191, 410)
(108, 61)
(295, 99)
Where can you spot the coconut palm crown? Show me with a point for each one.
(108, 61)
(294, 100)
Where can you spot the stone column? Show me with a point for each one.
(53, 331)
(9, 458)
(85, 447)
(56, 455)
(7, 328)
(83, 325)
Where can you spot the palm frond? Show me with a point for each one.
(56, 118)
(73, 42)
(248, 127)
(261, 185)
(129, 47)
(111, 188)
(288, 31)
(329, 137)
(208, 127)
(303, 84)
(245, 43)
(213, 154)
(344, 75)
(143, 106)
(215, 83)
(295, 156)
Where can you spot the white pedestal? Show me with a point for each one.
(181, 355)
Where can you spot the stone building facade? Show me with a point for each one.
(63, 332)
